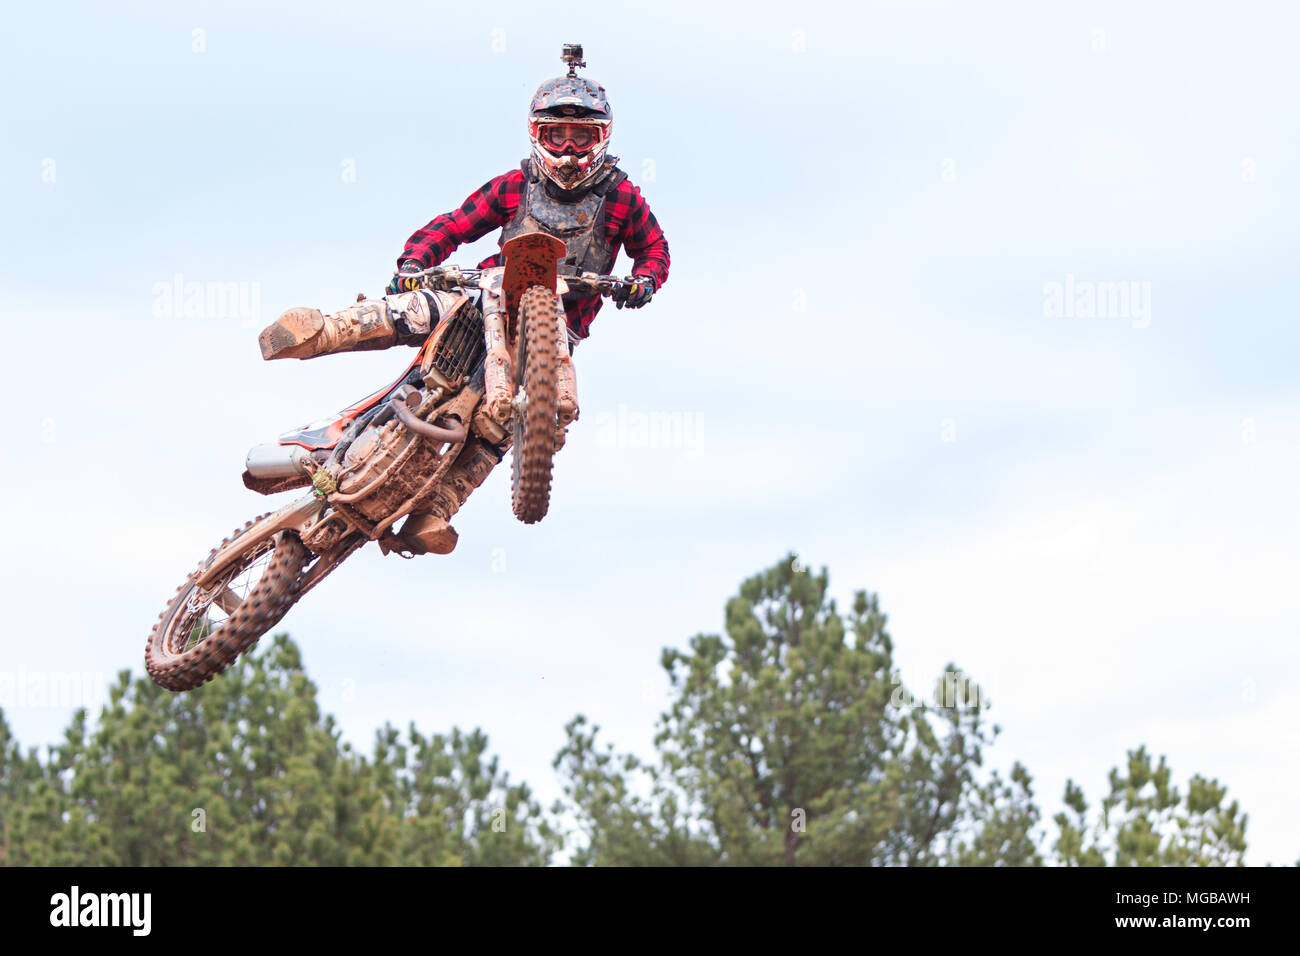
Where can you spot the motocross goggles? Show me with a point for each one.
(560, 136)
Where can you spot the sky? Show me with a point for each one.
(990, 311)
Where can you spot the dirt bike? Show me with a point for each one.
(495, 372)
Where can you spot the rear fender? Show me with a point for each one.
(273, 486)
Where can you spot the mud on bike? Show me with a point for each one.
(495, 373)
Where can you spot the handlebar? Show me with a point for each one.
(597, 284)
(442, 278)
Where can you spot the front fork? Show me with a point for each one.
(498, 387)
(498, 379)
(566, 382)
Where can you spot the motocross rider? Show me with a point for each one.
(568, 186)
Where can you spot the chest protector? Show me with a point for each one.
(579, 223)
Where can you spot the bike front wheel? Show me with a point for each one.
(535, 421)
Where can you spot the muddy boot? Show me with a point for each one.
(370, 324)
(306, 333)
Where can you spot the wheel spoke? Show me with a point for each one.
(206, 611)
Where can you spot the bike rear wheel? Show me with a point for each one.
(203, 630)
(535, 422)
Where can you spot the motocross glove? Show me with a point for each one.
(635, 294)
(401, 281)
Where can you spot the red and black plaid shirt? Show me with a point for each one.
(628, 223)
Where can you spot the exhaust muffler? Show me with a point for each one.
(277, 461)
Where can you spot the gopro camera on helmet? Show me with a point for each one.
(572, 55)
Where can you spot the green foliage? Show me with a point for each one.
(790, 741)
(1145, 821)
(1002, 817)
(245, 770)
(459, 806)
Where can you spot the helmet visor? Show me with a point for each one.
(578, 138)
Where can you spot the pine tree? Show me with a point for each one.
(790, 741)
(1146, 821)
(247, 771)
